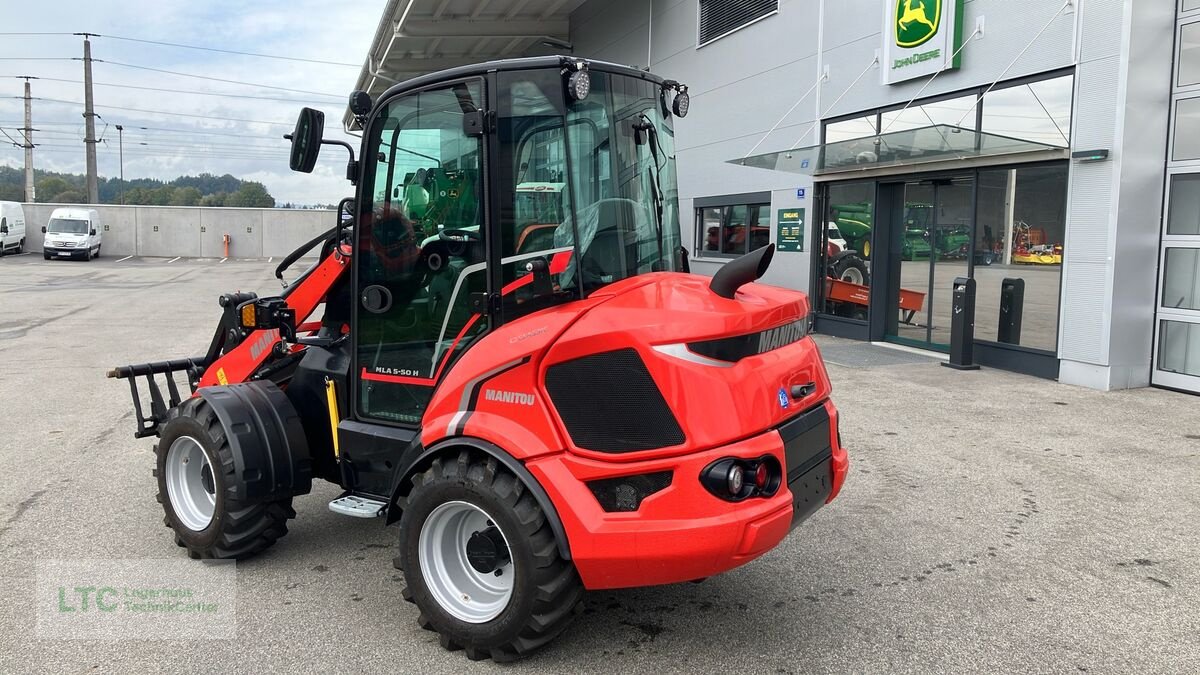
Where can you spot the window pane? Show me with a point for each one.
(845, 251)
(1039, 112)
(1184, 213)
(760, 233)
(1018, 259)
(1179, 347)
(1189, 5)
(1189, 54)
(1181, 279)
(955, 112)
(1187, 130)
(710, 228)
(851, 129)
(736, 232)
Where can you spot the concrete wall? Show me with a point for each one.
(193, 231)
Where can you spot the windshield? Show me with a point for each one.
(622, 152)
(67, 226)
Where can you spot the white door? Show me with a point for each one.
(1177, 335)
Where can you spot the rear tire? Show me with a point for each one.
(21, 247)
(854, 270)
(503, 617)
(200, 504)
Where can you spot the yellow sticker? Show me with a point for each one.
(221, 376)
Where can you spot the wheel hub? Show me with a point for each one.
(191, 487)
(465, 562)
(487, 551)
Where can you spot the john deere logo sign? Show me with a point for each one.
(921, 37)
(917, 21)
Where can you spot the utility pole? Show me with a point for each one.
(27, 132)
(89, 116)
(121, 155)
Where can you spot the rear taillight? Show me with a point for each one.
(734, 479)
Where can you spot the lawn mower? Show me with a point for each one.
(543, 411)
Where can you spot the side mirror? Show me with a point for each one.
(306, 140)
(43, 229)
(3, 229)
(92, 233)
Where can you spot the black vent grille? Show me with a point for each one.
(609, 403)
(718, 17)
(626, 493)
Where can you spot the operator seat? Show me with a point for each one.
(612, 255)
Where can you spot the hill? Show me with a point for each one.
(202, 190)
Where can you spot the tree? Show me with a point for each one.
(251, 194)
(49, 187)
(217, 199)
(186, 196)
(69, 196)
(162, 196)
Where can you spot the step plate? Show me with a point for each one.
(358, 507)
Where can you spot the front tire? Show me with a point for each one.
(481, 562)
(195, 469)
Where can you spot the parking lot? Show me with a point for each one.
(990, 521)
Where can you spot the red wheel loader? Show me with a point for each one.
(542, 415)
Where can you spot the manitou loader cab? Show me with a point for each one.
(532, 386)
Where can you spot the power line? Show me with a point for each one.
(163, 112)
(231, 51)
(177, 91)
(217, 79)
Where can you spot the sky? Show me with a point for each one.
(182, 139)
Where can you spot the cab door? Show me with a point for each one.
(421, 249)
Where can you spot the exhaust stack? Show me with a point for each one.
(741, 271)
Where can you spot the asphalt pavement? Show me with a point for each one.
(990, 522)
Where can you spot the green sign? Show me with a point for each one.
(921, 37)
(791, 230)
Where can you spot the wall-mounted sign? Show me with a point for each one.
(800, 192)
(920, 38)
(791, 231)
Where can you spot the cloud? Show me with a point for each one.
(199, 134)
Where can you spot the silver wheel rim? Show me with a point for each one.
(853, 275)
(462, 591)
(191, 498)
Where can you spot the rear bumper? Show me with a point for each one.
(683, 532)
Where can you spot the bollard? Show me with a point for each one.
(962, 326)
(1012, 307)
(226, 241)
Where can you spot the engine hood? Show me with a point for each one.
(674, 321)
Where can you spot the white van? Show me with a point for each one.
(73, 231)
(12, 228)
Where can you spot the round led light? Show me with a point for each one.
(736, 479)
(681, 103)
(579, 85)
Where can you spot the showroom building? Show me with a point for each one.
(1046, 149)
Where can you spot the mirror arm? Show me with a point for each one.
(351, 165)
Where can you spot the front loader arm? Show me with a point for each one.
(235, 356)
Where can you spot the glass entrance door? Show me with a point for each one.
(1177, 344)
(931, 248)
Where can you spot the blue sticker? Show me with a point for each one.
(800, 192)
(804, 164)
(784, 400)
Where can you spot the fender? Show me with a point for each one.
(407, 469)
(269, 448)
